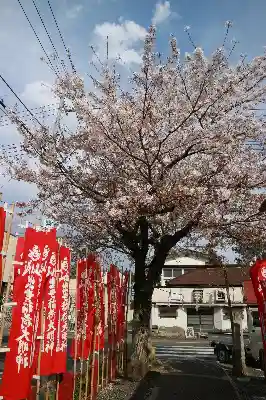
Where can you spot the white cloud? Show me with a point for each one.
(74, 11)
(123, 40)
(162, 13)
(39, 93)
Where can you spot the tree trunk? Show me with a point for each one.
(239, 359)
(141, 342)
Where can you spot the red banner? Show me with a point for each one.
(99, 341)
(66, 387)
(20, 360)
(82, 344)
(18, 266)
(50, 320)
(113, 287)
(258, 277)
(76, 349)
(62, 298)
(121, 320)
(2, 235)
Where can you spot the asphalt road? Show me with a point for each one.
(188, 380)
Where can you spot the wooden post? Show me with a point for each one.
(76, 332)
(40, 354)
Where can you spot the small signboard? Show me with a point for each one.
(190, 332)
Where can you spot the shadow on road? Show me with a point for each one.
(187, 380)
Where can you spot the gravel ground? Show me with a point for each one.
(118, 390)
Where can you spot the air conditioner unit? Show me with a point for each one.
(220, 296)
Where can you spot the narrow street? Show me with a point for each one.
(188, 379)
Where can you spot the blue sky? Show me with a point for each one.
(88, 22)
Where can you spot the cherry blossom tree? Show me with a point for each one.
(168, 159)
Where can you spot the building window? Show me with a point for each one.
(237, 314)
(168, 311)
(177, 272)
(171, 273)
(167, 273)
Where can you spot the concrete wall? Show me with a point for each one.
(180, 320)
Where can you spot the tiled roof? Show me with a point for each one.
(212, 277)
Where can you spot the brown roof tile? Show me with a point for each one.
(212, 277)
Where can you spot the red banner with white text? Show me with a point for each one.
(20, 360)
(258, 277)
(62, 300)
(50, 317)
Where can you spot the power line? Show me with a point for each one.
(61, 37)
(36, 110)
(17, 97)
(43, 24)
(55, 70)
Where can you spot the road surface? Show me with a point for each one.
(188, 380)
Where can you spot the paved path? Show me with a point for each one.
(189, 380)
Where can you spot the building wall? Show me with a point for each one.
(179, 321)
(183, 295)
(9, 258)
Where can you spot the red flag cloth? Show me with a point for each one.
(18, 265)
(113, 287)
(62, 298)
(99, 343)
(66, 387)
(50, 320)
(19, 363)
(75, 350)
(2, 235)
(122, 308)
(258, 278)
(82, 344)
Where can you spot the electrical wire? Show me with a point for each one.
(61, 37)
(46, 30)
(55, 70)
(17, 97)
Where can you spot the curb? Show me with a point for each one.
(239, 394)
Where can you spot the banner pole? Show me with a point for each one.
(40, 354)
(76, 332)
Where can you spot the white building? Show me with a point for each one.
(193, 294)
